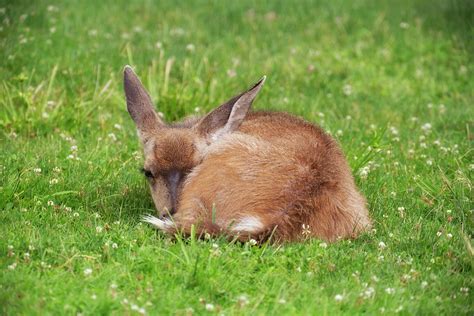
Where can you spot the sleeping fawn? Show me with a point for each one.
(245, 174)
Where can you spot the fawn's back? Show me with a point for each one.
(277, 174)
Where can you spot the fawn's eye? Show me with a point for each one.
(147, 173)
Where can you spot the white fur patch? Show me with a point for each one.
(250, 224)
(158, 223)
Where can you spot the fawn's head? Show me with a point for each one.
(173, 150)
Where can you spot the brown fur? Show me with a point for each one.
(272, 173)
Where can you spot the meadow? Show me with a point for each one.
(390, 80)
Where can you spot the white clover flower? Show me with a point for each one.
(209, 307)
(12, 266)
(426, 127)
(50, 203)
(347, 89)
(404, 25)
(118, 126)
(87, 271)
(231, 73)
(98, 229)
(429, 162)
(75, 214)
(53, 181)
(243, 300)
(382, 245)
(37, 170)
(338, 298)
(252, 242)
(281, 301)
(439, 234)
(112, 137)
(52, 8)
(449, 235)
(464, 290)
(368, 292)
(364, 172)
(159, 45)
(177, 31)
(390, 290)
(93, 296)
(323, 245)
(114, 245)
(424, 284)
(190, 47)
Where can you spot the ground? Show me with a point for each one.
(392, 81)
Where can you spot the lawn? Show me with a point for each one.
(391, 80)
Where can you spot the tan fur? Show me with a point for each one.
(272, 174)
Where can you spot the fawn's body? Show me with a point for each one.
(250, 175)
(277, 172)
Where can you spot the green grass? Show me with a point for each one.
(392, 81)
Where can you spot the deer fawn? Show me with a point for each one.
(247, 175)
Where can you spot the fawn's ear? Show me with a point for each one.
(228, 116)
(139, 103)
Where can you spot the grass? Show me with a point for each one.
(391, 81)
